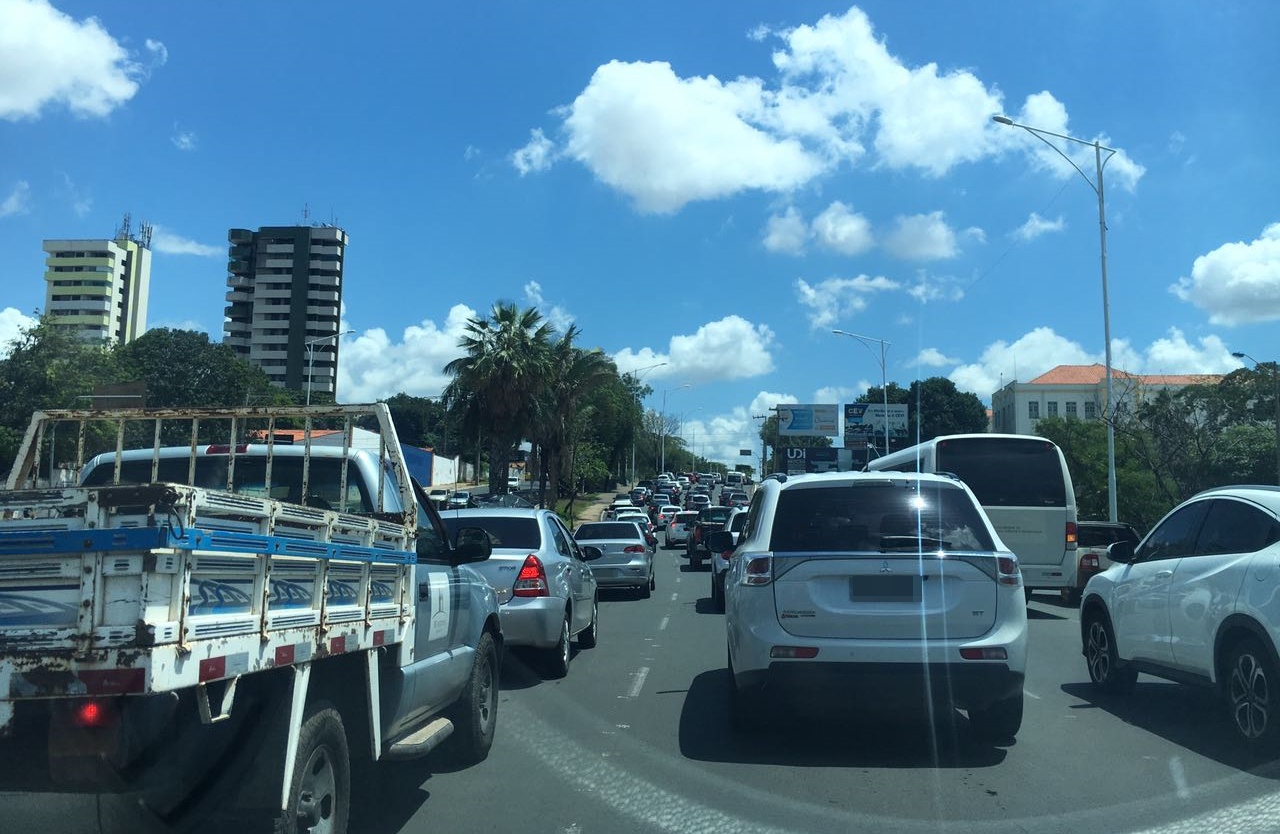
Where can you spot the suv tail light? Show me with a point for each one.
(1089, 565)
(1072, 535)
(532, 581)
(758, 571)
(1007, 572)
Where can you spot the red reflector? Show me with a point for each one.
(93, 713)
(995, 653)
(213, 668)
(801, 652)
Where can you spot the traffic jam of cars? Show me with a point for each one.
(904, 584)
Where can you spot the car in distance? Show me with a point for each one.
(460, 499)
(626, 559)
(546, 590)
(677, 531)
(1195, 602)
(875, 588)
(709, 519)
(734, 524)
(1092, 540)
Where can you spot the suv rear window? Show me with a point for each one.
(873, 515)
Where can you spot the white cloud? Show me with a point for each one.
(975, 233)
(1042, 110)
(168, 243)
(833, 299)
(16, 202)
(373, 367)
(665, 141)
(842, 230)
(536, 156)
(927, 288)
(1175, 355)
(471, 152)
(183, 140)
(159, 52)
(1237, 283)
(49, 58)
(835, 394)
(13, 323)
(764, 402)
(922, 237)
(934, 358)
(557, 316)
(786, 233)
(1177, 141)
(81, 203)
(1024, 359)
(730, 348)
(1037, 225)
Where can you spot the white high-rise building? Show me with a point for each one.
(99, 288)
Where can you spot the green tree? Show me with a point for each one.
(183, 369)
(420, 421)
(496, 382)
(935, 407)
(572, 375)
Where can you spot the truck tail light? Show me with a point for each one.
(532, 580)
(758, 571)
(94, 713)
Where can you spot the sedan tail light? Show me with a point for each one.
(532, 581)
(633, 548)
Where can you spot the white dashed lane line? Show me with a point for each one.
(675, 597)
(638, 682)
(662, 625)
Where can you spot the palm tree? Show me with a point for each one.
(575, 374)
(497, 381)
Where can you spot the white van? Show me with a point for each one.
(1022, 483)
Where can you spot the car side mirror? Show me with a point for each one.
(590, 552)
(472, 545)
(720, 541)
(1121, 552)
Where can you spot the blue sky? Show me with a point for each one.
(715, 186)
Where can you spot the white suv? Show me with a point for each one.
(879, 587)
(1196, 602)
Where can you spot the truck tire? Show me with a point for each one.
(320, 785)
(475, 714)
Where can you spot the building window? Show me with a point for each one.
(1053, 408)
(1033, 410)
(1071, 410)
(1090, 410)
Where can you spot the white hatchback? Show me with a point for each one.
(875, 588)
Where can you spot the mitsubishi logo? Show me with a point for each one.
(884, 567)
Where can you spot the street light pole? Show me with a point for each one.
(311, 357)
(1099, 163)
(884, 375)
(662, 452)
(639, 375)
(1275, 379)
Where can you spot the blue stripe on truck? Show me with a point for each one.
(35, 542)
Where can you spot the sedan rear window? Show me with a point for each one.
(522, 533)
(879, 516)
(607, 530)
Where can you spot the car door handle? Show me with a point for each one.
(1164, 574)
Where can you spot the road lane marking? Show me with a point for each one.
(662, 625)
(1179, 777)
(638, 683)
(1031, 695)
(674, 597)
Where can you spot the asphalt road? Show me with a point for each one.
(635, 740)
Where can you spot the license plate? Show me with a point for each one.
(884, 589)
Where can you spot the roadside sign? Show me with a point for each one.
(807, 420)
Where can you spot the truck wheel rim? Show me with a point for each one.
(487, 694)
(1250, 696)
(1099, 656)
(317, 794)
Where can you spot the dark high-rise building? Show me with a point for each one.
(284, 299)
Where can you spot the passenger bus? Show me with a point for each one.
(1023, 484)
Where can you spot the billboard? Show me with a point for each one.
(826, 459)
(807, 421)
(864, 424)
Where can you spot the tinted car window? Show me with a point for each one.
(1176, 535)
(608, 530)
(1099, 536)
(1005, 473)
(874, 514)
(1235, 527)
(714, 514)
(503, 532)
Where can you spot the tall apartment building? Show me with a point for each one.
(284, 298)
(1078, 391)
(99, 288)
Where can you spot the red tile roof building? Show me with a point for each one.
(1077, 391)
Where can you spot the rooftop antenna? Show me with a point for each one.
(306, 213)
(126, 223)
(144, 235)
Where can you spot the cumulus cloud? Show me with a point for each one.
(16, 201)
(1042, 110)
(557, 316)
(842, 230)
(1237, 283)
(835, 394)
(1173, 354)
(374, 367)
(81, 202)
(1037, 225)
(169, 243)
(834, 299)
(922, 237)
(183, 140)
(49, 58)
(159, 52)
(926, 288)
(786, 233)
(730, 348)
(934, 358)
(535, 156)
(13, 323)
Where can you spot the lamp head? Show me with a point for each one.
(1004, 120)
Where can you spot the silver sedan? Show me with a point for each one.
(626, 560)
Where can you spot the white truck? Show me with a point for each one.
(216, 631)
